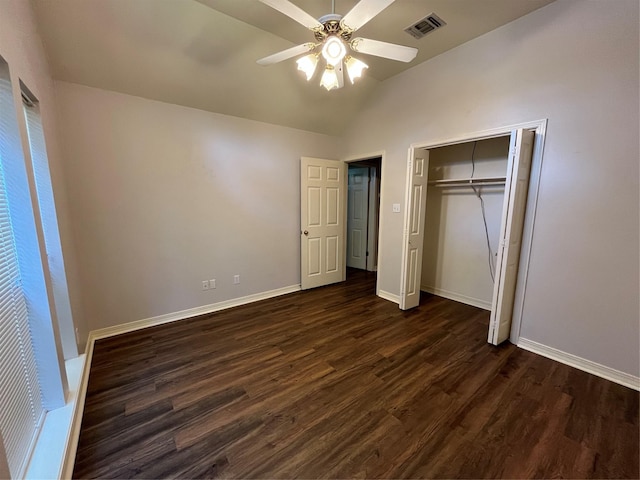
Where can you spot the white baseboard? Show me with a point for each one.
(71, 447)
(580, 363)
(458, 297)
(389, 296)
(191, 312)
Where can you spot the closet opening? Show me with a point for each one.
(470, 211)
(465, 196)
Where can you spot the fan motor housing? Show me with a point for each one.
(331, 26)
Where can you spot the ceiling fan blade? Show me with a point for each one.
(294, 12)
(383, 49)
(286, 54)
(363, 11)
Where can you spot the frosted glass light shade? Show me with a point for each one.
(308, 65)
(333, 50)
(329, 78)
(354, 68)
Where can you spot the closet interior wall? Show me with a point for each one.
(456, 258)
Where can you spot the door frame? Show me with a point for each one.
(539, 127)
(358, 158)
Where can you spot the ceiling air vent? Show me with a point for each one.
(427, 25)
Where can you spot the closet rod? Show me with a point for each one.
(466, 182)
(479, 184)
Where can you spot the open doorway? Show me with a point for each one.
(363, 214)
(325, 203)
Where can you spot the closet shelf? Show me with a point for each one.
(465, 182)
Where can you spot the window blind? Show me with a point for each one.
(21, 410)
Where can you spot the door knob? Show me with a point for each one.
(306, 232)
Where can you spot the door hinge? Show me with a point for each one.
(367, 254)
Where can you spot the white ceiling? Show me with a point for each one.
(202, 53)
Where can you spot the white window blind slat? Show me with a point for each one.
(21, 408)
(9, 270)
(6, 299)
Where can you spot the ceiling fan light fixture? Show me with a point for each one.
(334, 41)
(308, 64)
(333, 50)
(329, 78)
(354, 68)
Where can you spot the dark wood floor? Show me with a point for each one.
(338, 383)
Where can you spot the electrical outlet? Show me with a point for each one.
(205, 285)
(396, 208)
(236, 279)
(212, 283)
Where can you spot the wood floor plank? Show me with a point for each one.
(336, 382)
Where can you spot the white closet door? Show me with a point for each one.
(418, 171)
(515, 198)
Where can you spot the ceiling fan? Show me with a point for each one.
(333, 34)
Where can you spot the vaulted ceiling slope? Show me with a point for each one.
(202, 53)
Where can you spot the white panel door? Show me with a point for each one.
(322, 191)
(417, 174)
(357, 217)
(515, 199)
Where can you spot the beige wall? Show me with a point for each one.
(575, 63)
(165, 197)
